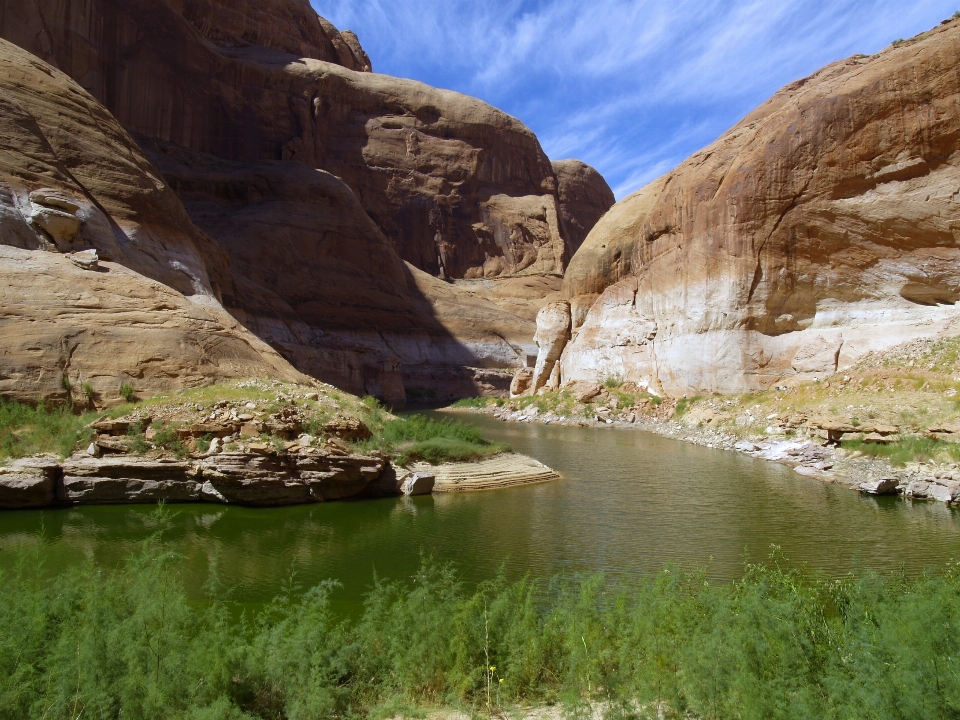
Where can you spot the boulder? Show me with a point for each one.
(522, 382)
(875, 438)
(918, 488)
(883, 486)
(85, 259)
(348, 429)
(28, 483)
(940, 492)
(586, 392)
(418, 483)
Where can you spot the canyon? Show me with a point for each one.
(376, 233)
(279, 209)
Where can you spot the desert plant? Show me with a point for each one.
(127, 393)
(684, 404)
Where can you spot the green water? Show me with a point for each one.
(628, 503)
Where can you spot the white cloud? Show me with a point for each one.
(629, 86)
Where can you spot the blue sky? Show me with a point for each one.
(630, 86)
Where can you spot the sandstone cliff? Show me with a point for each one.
(71, 180)
(584, 198)
(822, 226)
(316, 181)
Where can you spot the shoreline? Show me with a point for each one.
(809, 456)
(250, 479)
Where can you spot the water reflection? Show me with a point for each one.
(628, 503)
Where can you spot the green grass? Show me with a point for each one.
(418, 437)
(683, 404)
(25, 430)
(776, 645)
(478, 402)
(906, 449)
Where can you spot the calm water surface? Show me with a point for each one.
(629, 502)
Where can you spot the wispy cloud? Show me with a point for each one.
(630, 86)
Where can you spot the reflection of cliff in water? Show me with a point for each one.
(628, 503)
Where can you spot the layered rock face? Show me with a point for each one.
(461, 188)
(584, 198)
(144, 312)
(316, 179)
(290, 26)
(822, 226)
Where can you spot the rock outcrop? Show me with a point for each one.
(553, 332)
(310, 179)
(314, 181)
(822, 226)
(584, 198)
(501, 471)
(103, 277)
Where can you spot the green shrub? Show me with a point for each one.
(684, 404)
(127, 393)
(167, 438)
(906, 448)
(88, 391)
(25, 430)
(477, 402)
(613, 382)
(777, 644)
(418, 437)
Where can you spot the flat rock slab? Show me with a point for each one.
(29, 483)
(93, 481)
(502, 471)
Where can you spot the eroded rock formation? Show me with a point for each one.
(584, 198)
(823, 225)
(103, 278)
(311, 180)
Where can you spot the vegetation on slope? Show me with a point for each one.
(777, 644)
(913, 388)
(61, 430)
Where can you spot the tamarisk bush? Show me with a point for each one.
(778, 643)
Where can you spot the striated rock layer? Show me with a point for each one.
(103, 278)
(315, 179)
(824, 225)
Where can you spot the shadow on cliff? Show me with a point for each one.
(309, 271)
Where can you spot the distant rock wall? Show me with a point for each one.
(584, 198)
(824, 225)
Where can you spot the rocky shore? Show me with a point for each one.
(260, 477)
(812, 448)
(256, 443)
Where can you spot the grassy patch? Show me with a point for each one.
(417, 437)
(684, 404)
(478, 402)
(776, 644)
(25, 430)
(907, 449)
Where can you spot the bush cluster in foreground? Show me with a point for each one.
(127, 643)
